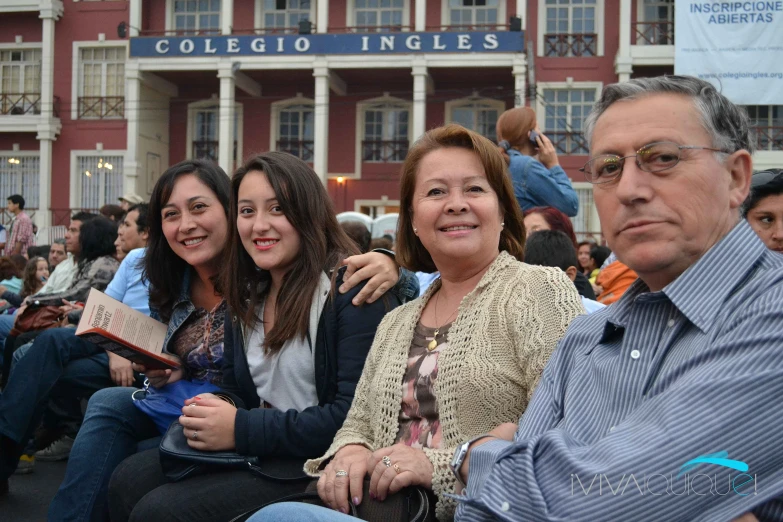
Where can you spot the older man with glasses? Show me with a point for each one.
(665, 405)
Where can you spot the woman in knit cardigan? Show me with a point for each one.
(462, 359)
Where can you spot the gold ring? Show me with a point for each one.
(341, 473)
(386, 461)
(397, 469)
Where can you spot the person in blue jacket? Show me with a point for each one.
(538, 178)
(294, 351)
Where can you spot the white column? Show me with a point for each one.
(420, 78)
(134, 18)
(133, 117)
(519, 70)
(226, 117)
(421, 16)
(623, 65)
(322, 16)
(226, 16)
(321, 123)
(48, 126)
(522, 13)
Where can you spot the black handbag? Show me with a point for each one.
(179, 461)
(411, 504)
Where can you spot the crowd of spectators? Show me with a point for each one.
(482, 355)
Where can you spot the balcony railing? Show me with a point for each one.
(570, 44)
(17, 104)
(769, 138)
(101, 107)
(370, 29)
(181, 32)
(653, 33)
(568, 142)
(374, 151)
(468, 27)
(302, 149)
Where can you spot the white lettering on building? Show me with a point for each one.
(463, 42)
(387, 43)
(490, 41)
(186, 46)
(302, 44)
(280, 44)
(232, 45)
(365, 43)
(162, 46)
(436, 45)
(258, 45)
(208, 46)
(413, 43)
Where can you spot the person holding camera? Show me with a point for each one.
(538, 178)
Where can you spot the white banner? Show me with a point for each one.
(735, 45)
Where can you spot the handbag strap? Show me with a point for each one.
(307, 496)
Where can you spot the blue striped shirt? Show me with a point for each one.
(638, 389)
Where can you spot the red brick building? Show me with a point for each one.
(87, 114)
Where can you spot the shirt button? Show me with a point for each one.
(635, 354)
(505, 506)
(670, 323)
(611, 429)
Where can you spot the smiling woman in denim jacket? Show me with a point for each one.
(188, 230)
(538, 178)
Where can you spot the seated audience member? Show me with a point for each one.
(598, 259)
(549, 218)
(286, 244)
(129, 199)
(35, 274)
(358, 234)
(613, 280)
(554, 248)
(471, 348)
(9, 275)
(57, 253)
(764, 207)
(384, 242)
(66, 368)
(112, 212)
(538, 178)
(189, 204)
(583, 256)
(651, 384)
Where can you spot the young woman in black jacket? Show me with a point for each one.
(294, 350)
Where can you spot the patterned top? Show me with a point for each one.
(199, 343)
(21, 232)
(97, 274)
(419, 417)
(641, 388)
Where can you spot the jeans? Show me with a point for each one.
(112, 429)
(34, 379)
(299, 512)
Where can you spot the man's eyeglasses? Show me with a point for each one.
(763, 177)
(655, 157)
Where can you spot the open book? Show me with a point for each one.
(120, 329)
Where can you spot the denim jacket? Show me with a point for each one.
(537, 186)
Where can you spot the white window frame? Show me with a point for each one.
(498, 105)
(568, 85)
(640, 19)
(75, 182)
(171, 27)
(599, 28)
(592, 219)
(361, 107)
(445, 14)
(359, 203)
(274, 122)
(769, 124)
(259, 15)
(195, 107)
(5, 154)
(76, 70)
(32, 46)
(350, 14)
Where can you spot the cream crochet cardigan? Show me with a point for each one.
(504, 333)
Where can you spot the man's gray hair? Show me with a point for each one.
(727, 123)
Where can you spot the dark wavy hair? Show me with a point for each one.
(8, 268)
(96, 239)
(163, 269)
(324, 244)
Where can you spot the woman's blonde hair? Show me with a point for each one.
(411, 253)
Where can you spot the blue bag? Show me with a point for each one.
(164, 405)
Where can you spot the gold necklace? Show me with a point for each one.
(434, 342)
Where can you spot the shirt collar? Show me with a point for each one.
(696, 293)
(701, 291)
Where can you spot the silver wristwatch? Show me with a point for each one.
(459, 456)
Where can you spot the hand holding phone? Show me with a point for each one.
(533, 135)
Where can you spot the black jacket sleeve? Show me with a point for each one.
(265, 432)
(233, 347)
(12, 298)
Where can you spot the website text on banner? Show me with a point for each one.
(736, 46)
